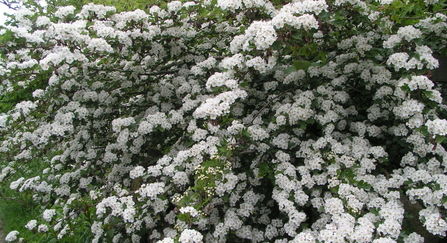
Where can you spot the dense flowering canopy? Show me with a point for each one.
(228, 120)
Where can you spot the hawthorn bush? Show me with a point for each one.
(228, 121)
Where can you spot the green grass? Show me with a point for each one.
(18, 208)
(15, 215)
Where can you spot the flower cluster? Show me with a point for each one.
(218, 121)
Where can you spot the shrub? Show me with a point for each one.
(215, 121)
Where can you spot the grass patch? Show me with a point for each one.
(17, 207)
(15, 214)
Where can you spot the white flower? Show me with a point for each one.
(334, 206)
(174, 6)
(15, 184)
(219, 105)
(166, 240)
(390, 227)
(414, 238)
(231, 83)
(136, 238)
(192, 211)
(31, 224)
(3, 120)
(48, 214)
(385, 1)
(434, 222)
(122, 122)
(190, 236)
(217, 80)
(12, 236)
(281, 141)
(137, 172)
(180, 178)
(265, 35)
(304, 237)
(151, 190)
(25, 107)
(392, 41)
(437, 127)
(129, 214)
(409, 33)
(199, 134)
(145, 127)
(384, 240)
(231, 5)
(64, 11)
(257, 133)
(100, 45)
(42, 228)
(42, 21)
(38, 93)
(398, 60)
(408, 109)
(282, 156)
(92, 9)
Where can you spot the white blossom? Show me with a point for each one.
(12, 236)
(190, 236)
(437, 127)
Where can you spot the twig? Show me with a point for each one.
(265, 106)
(12, 199)
(439, 11)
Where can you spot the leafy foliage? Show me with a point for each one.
(226, 120)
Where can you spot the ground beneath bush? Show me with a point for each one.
(2, 235)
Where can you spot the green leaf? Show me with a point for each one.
(245, 133)
(444, 200)
(408, 215)
(301, 65)
(277, 45)
(440, 139)
(405, 88)
(244, 84)
(427, 93)
(308, 49)
(364, 185)
(320, 59)
(419, 42)
(222, 149)
(264, 169)
(303, 126)
(290, 70)
(297, 36)
(397, 4)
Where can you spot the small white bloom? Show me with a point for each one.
(166, 240)
(437, 127)
(190, 236)
(64, 11)
(174, 6)
(409, 33)
(42, 228)
(38, 93)
(137, 172)
(48, 214)
(192, 211)
(12, 236)
(31, 224)
(334, 206)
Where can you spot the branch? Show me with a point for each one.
(265, 106)
(12, 199)
(22, 74)
(439, 11)
(9, 4)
